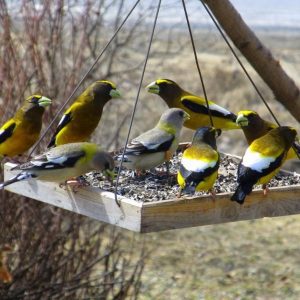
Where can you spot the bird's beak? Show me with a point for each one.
(114, 93)
(186, 116)
(242, 121)
(152, 88)
(218, 132)
(44, 101)
(109, 174)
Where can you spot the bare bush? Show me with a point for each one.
(46, 47)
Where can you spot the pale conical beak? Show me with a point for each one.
(114, 93)
(217, 132)
(242, 121)
(186, 116)
(44, 101)
(152, 88)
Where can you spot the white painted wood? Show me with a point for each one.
(88, 201)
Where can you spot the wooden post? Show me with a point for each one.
(262, 60)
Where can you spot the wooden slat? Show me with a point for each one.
(88, 201)
(173, 214)
(161, 215)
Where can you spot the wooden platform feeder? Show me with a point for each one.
(161, 215)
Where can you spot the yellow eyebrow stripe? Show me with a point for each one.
(109, 82)
(159, 81)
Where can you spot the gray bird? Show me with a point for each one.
(64, 162)
(157, 145)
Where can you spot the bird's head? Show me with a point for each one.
(207, 135)
(105, 90)
(247, 118)
(289, 134)
(34, 106)
(104, 162)
(38, 100)
(168, 89)
(173, 119)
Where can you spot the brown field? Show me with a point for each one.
(243, 260)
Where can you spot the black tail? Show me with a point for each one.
(19, 177)
(241, 192)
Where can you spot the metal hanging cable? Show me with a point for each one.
(244, 69)
(197, 62)
(239, 61)
(136, 101)
(83, 78)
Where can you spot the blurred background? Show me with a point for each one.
(46, 47)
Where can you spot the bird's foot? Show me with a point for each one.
(75, 183)
(265, 189)
(213, 195)
(179, 193)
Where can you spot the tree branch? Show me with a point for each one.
(262, 60)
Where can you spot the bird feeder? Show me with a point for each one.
(173, 213)
(143, 216)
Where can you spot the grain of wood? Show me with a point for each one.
(160, 215)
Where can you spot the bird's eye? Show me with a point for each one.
(106, 166)
(181, 113)
(34, 100)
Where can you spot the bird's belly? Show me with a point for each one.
(60, 177)
(267, 178)
(145, 161)
(73, 133)
(18, 143)
(207, 183)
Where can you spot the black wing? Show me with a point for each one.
(62, 123)
(199, 108)
(7, 132)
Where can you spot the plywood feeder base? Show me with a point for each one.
(161, 215)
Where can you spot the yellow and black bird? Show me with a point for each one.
(255, 127)
(83, 116)
(195, 106)
(200, 162)
(262, 160)
(20, 132)
(65, 162)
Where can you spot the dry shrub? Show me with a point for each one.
(46, 47)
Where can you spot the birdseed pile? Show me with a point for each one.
(157, 186)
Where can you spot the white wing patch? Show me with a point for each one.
(219, 109)
(62, 120)
(38, 163)
(196, 165)
(256, 161)
(1, 131)
(58, 160)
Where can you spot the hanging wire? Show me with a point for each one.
(197, 62)
(239, 61)
(83, 78)
(136, 101)
(244, 69)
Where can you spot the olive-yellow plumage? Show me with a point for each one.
(83, 116)
(64, 162)
(195, 106)
(199, 165)
(255, 127)
(20, 132)
(262, 160)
